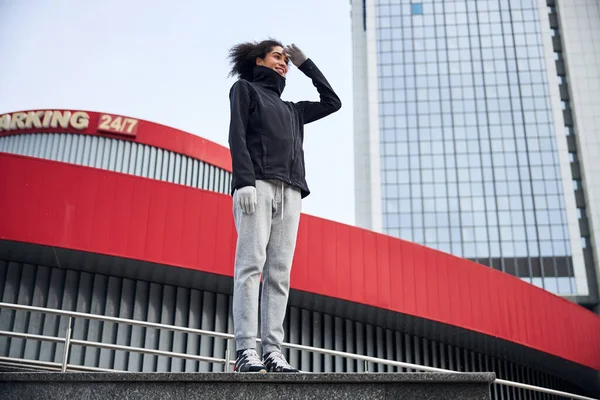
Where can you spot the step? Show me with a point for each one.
(188, 386)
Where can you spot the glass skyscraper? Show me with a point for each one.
(464, 135)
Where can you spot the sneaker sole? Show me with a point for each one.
(262, 371)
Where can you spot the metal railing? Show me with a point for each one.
(68, 341)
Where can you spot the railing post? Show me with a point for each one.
(67, 345)
(227, 356)
(366, 366)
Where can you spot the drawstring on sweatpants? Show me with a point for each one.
(282, 197)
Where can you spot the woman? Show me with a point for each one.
(265, 140)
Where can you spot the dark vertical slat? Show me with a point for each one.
(37, 151)
(182, 313)
(78, 151)
(36, 319)
(425, 345)
(97, 150)
(446, 351)
(435, 354)
(327, 342)
(360, 345)
(370, 346)
(106, 359)
(389, 348)
(417, 350)
(518, 378)
(498, 391)
(165, 336)
(294, 335)
(140, 312)
(221, 320)
(317, 337)
(529, 381)
(380, 346)
(158, 169)
(124, 331)
(69, 303)
(87, 151)
(171, 167)
(145, 167)
(477, 362)
(164, 175)
(177, 169)
(112, 155)
(195, 166)
(544, 383)
(408, 351)
(221, 175)
(211, 178)
(194, 321)
(339, 342)
(119, 156)
(398, 349)
(106, 156)
(189, 165)
(10, 295)
(208, 323)
(502, 374)
(139, 159)
(489, 368)
(201, 180)
(83, 296)
(17, 346)
(152, 334)
(97, 306)
(56, 286)
(305, 326)
(509, 376)
(3, 278)
(459, 359)
(230, 330)
(536, 382)
(350, 346)
(469, 361)
(207, 177)
(451, 358)
(62, 144)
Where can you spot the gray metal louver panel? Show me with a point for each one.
(119, 156)
(114, 296)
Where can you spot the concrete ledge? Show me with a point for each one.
(76, 385)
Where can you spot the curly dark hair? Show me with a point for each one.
(243, 56)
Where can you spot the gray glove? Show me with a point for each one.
(295, 55)
(246, 198)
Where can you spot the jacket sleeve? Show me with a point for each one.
(329, 101)
(240, 102)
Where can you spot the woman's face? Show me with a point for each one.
(275, 59)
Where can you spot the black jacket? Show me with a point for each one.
(266, 133)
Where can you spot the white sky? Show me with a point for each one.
(165, 61)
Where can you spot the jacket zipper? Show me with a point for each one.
(293, 143)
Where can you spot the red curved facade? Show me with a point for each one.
(81, 208)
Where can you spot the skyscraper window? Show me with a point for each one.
(417, 8)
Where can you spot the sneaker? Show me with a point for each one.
(275, 362)
(248, 361)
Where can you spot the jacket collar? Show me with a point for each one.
(269, 79)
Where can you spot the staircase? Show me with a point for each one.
(188, 386)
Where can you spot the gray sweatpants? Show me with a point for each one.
(265, 244)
